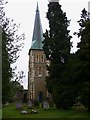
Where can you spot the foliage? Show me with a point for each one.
(57, 50)
(16, 86)
(83, 56)
(6, 71)
(11, 46)
(65, 97)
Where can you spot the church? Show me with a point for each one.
(37, 71)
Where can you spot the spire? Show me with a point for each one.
(37, 9)
(37, 32)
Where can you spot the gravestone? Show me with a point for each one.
(45, 105)
(19, 105)
(7, 103)
(29, 104)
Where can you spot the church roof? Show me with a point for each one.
(37, 32)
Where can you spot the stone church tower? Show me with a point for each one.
(37, 63)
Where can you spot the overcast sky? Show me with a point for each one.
(23, 12)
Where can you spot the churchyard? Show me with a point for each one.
(28, 111)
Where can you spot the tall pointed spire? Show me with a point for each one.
(37, 33)
(37, 9)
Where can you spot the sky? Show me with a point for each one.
(23, 12)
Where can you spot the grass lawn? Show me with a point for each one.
(76, 112)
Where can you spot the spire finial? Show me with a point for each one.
(37, 7)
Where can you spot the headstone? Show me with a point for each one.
(45, 105)
(7, 103)
(19, 105)
(29, 104)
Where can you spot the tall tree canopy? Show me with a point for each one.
(57, 50)
(83, 56)
(11, 46)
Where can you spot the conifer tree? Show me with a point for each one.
(57, 50)
(83, 56)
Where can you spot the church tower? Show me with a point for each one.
(37, 63)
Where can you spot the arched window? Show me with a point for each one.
(40, 96)
(36, 71)
(42, 58)
(43, 71)
(34, 58)
(37, 58)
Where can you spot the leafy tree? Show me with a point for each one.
(6, 71)
(57, 50)
(11, 46)
(83, 56)
(16, 86)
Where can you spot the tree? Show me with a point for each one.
(57, 50)
(83, 56)
(11, 46)
(6, 71)
(16, 86)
